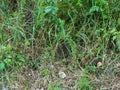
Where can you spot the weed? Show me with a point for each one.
(50, 87)
(84, 83)
(45, 72)
(9, 58)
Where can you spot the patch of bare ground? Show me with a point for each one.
(30, 79)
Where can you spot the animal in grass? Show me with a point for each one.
(62, 50)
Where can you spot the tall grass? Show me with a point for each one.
(42, 25)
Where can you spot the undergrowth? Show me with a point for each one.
(36, 30)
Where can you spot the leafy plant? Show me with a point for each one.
(50, 87)
(8, 58)
(2, 67)
(115, 38)
(84, 84)
(45, 72)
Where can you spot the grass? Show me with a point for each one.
(50, 35)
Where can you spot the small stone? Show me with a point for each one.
(37, 89)
(29, 74)
(99, 64)
(42, 89)
(62, 74)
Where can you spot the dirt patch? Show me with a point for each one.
(47, 75)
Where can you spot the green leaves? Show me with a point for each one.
(94, 8)
(51, 9)
(116, 37)
(84, 84)
(20, 58)
(27, 43)
(2, 67)
(45, 72)
(118, 21)
(8, 62)
(100, 6)
(8, 57)
(52, 87)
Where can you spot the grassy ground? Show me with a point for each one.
(59, 45)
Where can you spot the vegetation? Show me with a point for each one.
(43, 36)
